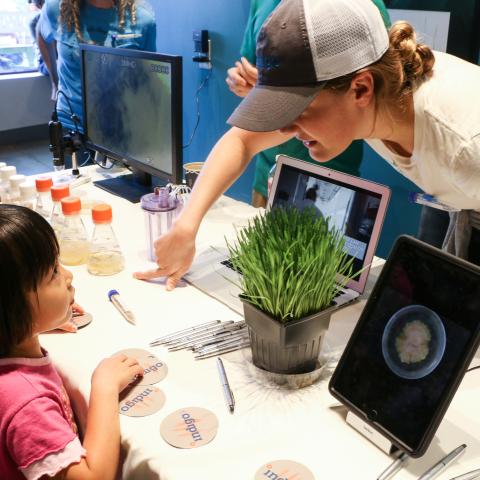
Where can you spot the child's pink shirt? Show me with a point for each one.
(38, 434)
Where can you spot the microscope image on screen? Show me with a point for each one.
(131, 107)
(413, 342)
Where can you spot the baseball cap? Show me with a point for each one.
(301, 45)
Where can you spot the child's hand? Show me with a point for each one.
(116, 372)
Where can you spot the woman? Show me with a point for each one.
(336, 76)
(242, 77)
(110, 23)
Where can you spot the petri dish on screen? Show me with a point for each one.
(413, 342)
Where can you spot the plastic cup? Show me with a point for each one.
(192, 171)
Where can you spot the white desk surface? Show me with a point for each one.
(269, 422)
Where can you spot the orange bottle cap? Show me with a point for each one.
(43, 184)
(102, 213)
(59, 192)
(71, 205)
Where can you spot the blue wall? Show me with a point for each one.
(226, 20)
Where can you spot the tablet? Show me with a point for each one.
(415, 338)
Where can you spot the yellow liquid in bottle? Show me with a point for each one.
(105, 263)
(73, 252)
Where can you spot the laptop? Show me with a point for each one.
(355, 206)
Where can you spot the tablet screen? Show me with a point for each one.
(412, 343)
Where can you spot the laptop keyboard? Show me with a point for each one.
(228, 263)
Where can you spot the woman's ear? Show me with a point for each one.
(363, 88)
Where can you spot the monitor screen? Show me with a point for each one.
(351, 209)
(132, 104)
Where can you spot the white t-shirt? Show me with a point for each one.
(446, 153)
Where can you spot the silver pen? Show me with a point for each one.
(225, 349)
(171, 336)
(114, 297)
(443, 463)
(219, 337)
(473, 475)
(221, 343)
(227, 391)
(391, 470)
(191, 339)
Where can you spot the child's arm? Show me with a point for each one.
(102, 436)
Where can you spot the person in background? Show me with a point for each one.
(42, 68)
(338, 76)
(242, 77)
(38, 434)
(110, 23)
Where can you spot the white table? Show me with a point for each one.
(269, 422)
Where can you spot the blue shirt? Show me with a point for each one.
(99, 26)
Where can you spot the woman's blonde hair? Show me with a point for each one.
(401, 69)
(70, 14)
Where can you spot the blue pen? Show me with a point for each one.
(430, 201)
(114, 297)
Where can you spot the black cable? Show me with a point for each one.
(472, 368)
(197, 101)
(73, 117)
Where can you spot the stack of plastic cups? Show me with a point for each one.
(2, 164)
(73, 236)
(28, 194)
(57, 219)
(14, 193)
(105, 256)
(44, 201)
(5, 173)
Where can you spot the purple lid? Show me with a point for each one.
(161, 200)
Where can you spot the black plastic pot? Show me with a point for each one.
(291, 347)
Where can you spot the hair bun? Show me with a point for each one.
(417, 58)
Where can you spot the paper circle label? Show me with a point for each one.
(141, 401)
(154, 370)
(82, 320)
(189, 427)
(284, 470)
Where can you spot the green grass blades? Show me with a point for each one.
(289, 260)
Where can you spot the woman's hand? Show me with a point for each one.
(242, 77)
(175, 251)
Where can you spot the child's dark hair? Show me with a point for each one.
(28, 251)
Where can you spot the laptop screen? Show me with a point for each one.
(352, 209)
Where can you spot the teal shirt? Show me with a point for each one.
(99, 26)
(348, 161)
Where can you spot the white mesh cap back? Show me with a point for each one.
(334, 53)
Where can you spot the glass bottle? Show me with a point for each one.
(105, 256)
(73, 236)
(57, 219)
(14, 189)
(5, 173)
(28, 194)
(44, 201)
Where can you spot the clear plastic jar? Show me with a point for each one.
(44, 200)
(105, 256)
(14, 190)
(5, 173)
(57, 219)
(28, 195)
(73, 236)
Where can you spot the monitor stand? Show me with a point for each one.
(132, 186)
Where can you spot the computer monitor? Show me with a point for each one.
(132, 112)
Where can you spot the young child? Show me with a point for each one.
(38, 437)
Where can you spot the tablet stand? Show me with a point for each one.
(368, 432)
